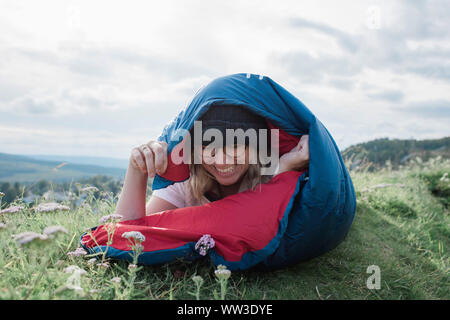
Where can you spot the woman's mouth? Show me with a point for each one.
(226, 172)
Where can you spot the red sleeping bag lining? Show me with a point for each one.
(240, 224)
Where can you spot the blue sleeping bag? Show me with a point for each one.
(296, 217)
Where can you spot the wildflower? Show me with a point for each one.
(91, 261)
(111, 218)
(53, 230)
(77, 252)
(73, 282)
(51, 207)
(198, 280)
(222, 273)
(132, 266)
(116, 280)
(2, 194)
(29, 237)
(104, 265)
(135, 235)
(89, 189)
(204, 244)
(75, 269)
(2, 226)
(12, 209)
(93, 291)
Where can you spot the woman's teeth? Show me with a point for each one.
(227, 170)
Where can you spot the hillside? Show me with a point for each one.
(401, 226)
(96, 161)
(377, 153)
(15, 168)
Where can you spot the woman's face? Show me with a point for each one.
(227, 164)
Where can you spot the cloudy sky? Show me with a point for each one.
(97, 78)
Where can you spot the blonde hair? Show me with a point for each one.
(201, 181)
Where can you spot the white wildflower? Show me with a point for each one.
(104, 265)
(75, 269)
(89, 189)
(77, 252)
(135, 235)
(91, 261)
(198, 280)
(2, 226)
(111, 218)
(53, 230)
(29, 237)
(132, 266)
(51, 207)
(116, 280)
(222, 273)
(12, 209)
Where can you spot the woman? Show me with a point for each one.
(223, 171)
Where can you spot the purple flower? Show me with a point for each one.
(78, 252)
(51, 207)
(111, 218)
(29, 237)
(12, 209)
(53, 230)
(104, 265)
(204, 244)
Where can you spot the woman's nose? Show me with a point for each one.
(221, 158)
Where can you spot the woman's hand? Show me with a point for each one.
(150, 158)
(297, 158)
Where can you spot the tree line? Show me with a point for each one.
(396, 152)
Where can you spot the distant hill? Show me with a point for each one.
(398, 152)
(16, 168)
(96, 161)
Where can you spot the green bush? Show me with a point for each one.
(439, 185)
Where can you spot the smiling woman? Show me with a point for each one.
(219, 168)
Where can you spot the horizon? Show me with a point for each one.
(126, 159)
(74, 85)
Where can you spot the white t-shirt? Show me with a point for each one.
(180, 196)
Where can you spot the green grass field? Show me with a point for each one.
(402, 227)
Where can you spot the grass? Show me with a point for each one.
(403, 228)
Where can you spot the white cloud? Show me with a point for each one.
(100, 77)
